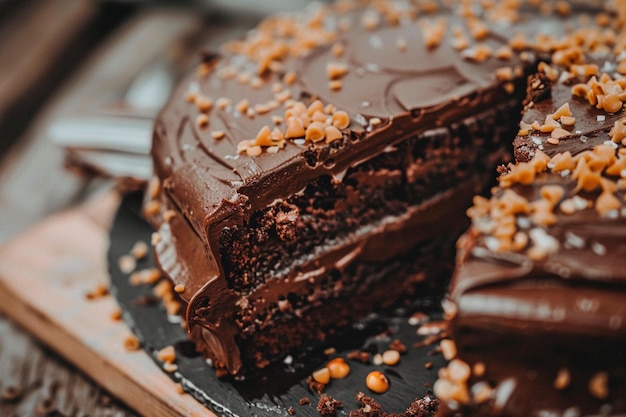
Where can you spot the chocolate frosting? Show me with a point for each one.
(526, 318)
(390, 92)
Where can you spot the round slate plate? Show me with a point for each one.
(273, 391)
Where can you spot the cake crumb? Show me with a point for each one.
(291, 411)
(398, 345)
(328, 406)
(314, 386)
(304, 401)
(420, 407)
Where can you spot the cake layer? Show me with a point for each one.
(348, 134)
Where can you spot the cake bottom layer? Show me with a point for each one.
(308, 310)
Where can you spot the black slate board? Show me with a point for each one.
(273, 391)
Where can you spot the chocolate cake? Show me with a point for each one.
(537, 303)
(319, 168)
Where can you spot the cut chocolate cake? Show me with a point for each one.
(319, 168)
(537, 304)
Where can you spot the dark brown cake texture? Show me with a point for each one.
(537, 304)
(319, 168)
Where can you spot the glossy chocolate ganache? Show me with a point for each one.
(537, 304)
(319, 168)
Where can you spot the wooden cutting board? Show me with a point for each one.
(45, 275)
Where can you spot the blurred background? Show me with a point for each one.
(81, 82)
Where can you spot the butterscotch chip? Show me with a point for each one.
(170, 367)
(167, 354)
(504, 74)
(127, 264)
(448, 349)
(139, 250)
(222, 103)
(433, 33)
(131, 343)
(332, 134)
(335, 70)
(242, 106)
(612, 103)
(518, 42)
(99, 291)
(116, 315)
(478, 29)
(391, 357)
(202, 121)
(203, 103)
(179, 388)
(338, 368)
(599, 385)
(172, 307)
(295, 128)
(254, 150)
(479, 369)
(567, 120)
(580, 90)
(190, 96)
(179, 288)
(340, 119)
(479, 53)
(163, 289)
(459, 40)
(262, 108)
(370, 20)
(562, 379)
(447, 390)
(322, 376)
(290, 78)
(564, 110)
(504, 53)
(552, 193)
(558, 133)
(377, 382)
(335, 85)
(458, 371)
(606, 203)
(315, 132)
(145, 276)
(338, 49)
(218, 134)
(481, 392)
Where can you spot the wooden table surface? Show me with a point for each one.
(34, 381)
(46, 55)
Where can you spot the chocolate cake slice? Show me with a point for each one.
(537, 304)
(319, 168)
